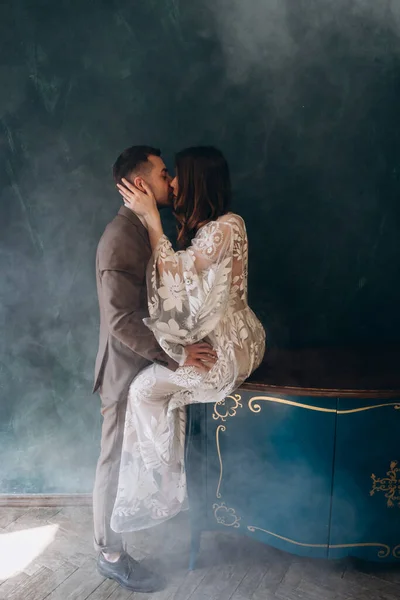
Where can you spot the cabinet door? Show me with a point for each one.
(269, 469)
(366, 491)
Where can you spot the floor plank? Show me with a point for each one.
(42, 583)
(75, 519)
(188, 584)
(9, 585)
(9, 515)
(121, 594)
(83, 582)
(279, 574)
(104, 591)
(230, 567)
(364, 587)
(35, 516)
(220, 582)
(251, 586)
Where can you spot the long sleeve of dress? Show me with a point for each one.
(188, 291)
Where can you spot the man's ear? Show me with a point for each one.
(138, 182)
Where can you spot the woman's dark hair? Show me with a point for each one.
(204, 190)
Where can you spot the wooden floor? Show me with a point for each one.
(48, 553)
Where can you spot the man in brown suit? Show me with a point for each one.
(126, 346)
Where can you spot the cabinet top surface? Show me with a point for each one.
(353, 372)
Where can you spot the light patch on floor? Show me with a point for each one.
(18, 549)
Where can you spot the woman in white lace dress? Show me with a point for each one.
(198, 293)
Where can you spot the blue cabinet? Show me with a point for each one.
(311, 471)
(366, 480)
(274, 482)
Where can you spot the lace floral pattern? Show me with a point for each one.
(193, 295)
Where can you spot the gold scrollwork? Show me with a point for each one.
(226, 516)
(285, 539)
(222, 410)
(363, 408)
(390, 485)
(382, 553)
(256, 408)
(221, 468)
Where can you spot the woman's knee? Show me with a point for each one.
(143, 385)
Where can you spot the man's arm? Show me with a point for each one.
(121, 301)
(121, 266)
(121, 263)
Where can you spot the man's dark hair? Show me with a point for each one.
(132, 159)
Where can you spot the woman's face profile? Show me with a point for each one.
(174, 185)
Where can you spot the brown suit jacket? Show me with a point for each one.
(126, 345)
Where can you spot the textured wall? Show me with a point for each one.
(303, 99)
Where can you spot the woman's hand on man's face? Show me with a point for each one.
(141, 203)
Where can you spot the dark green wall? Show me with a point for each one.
(303, 97)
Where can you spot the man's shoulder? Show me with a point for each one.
(121, 239)
(120, 228)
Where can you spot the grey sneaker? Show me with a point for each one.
(129, 574)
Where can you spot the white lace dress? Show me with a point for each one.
(193, 295)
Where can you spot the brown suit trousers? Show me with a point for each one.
(126, 346)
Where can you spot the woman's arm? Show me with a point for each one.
(155, 229)
(200, 354)
(144, 205)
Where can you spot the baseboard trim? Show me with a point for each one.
(45, 500)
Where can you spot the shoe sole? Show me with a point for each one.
(120, 582)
